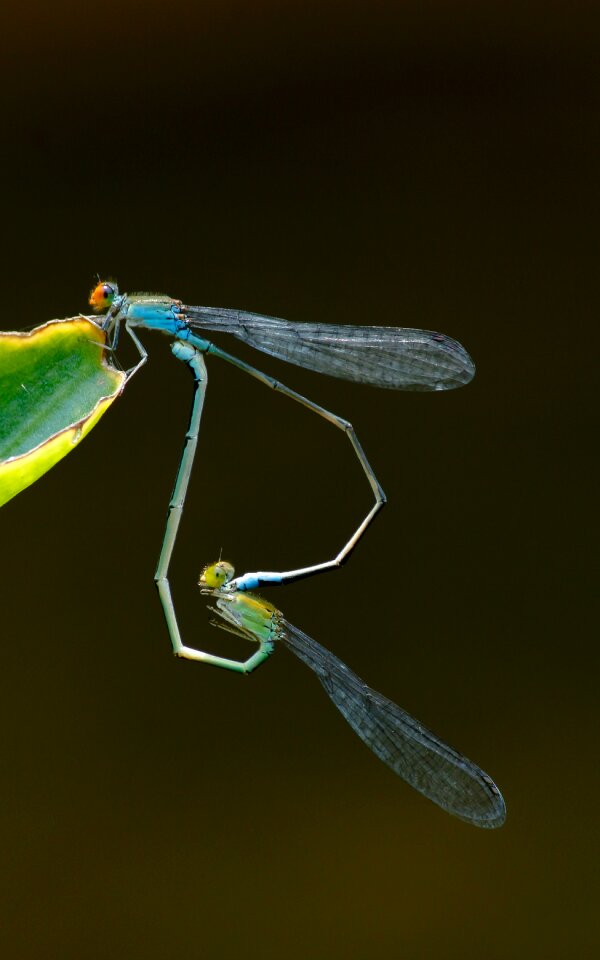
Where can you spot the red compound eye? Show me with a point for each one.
(102, 296)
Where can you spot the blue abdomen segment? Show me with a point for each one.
(252, 581)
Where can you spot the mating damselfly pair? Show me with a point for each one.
(389, 357)
(395, 358)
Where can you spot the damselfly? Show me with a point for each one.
(410, 749)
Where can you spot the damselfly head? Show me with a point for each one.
(215, 575)
(103, 295)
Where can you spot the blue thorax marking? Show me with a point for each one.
(154, 313)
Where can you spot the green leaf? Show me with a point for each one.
(55, 384)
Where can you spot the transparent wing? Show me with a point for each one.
(393, 357)
(413, 752)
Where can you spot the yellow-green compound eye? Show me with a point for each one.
(103, 295)
(216, 574)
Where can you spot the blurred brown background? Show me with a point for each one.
(426, 164)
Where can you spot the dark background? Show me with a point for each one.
(426, 164)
